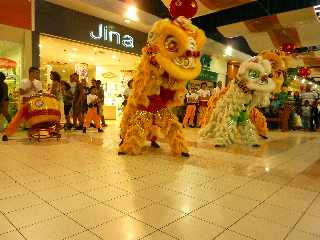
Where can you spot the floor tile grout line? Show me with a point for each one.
(11, 225)
(57, 210)
(210, 202)
(248, 213)
(302, 215)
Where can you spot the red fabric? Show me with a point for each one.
(16, 13)
(42, 112)
(158, 102)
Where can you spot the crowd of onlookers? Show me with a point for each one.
(303, 108)
(81, 104)
(76, 98)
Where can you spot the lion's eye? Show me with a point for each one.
(171, 44)
(151, 37)
(254, 74)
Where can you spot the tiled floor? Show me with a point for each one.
(78, 188)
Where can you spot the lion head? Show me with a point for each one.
(254, 76)
(175, 46)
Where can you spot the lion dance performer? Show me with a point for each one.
(170, 59)
(230, 117)
(29, 87)
(276, 58)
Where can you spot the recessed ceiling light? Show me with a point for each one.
(74, 49)
(228, 51)
(114, 57)
(132, 13)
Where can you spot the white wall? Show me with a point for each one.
(220, 66)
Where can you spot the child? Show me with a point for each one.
(192, 100)
(306, 115)
(92, 114)
(67, 101)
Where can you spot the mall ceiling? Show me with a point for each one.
(231, 21)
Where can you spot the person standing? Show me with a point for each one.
(92, 115)
(100, 93)
(77, 101)
(67, 103)
(4, 101)
(192, 100)
(29, 86)
(306, 115)
(217, 89)
(204, 95)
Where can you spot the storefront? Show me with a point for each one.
(15, 44)
(92, 47)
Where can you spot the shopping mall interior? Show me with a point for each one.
(160, 120)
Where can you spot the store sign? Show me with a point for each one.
(87, 29)
(105, 34)
(208, 76)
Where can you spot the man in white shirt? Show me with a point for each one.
(204, 95)
(31, 86)
(28, 88)
(217, 89)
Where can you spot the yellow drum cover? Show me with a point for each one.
(43, 108)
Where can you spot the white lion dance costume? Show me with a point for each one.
(230, 119)
(170, 59)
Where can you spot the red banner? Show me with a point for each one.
(16, 13)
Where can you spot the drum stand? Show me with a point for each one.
(45, 131)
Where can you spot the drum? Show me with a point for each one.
(43, 109)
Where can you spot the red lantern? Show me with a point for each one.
(186, 8)
(288, 48)
(304, 72)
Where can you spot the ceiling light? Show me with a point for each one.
(74, 49)
(228, 51)
(114, 57)
(63, 71)
(132, 13)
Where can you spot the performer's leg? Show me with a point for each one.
(136, 133)
(89, 118)
(248, 133)
(154, 136)
(187, 116)
(192, 115)
(171, 127)
(1, 122)
(16, 121)
(97, 120)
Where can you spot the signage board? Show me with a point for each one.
(63, 22)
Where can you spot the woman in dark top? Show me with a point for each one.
(4, 99)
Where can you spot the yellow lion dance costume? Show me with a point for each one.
(170, 58)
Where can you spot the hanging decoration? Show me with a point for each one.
(186, 8)
(304, 72)
(288, 48)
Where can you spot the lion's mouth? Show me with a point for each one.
(185, 62)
